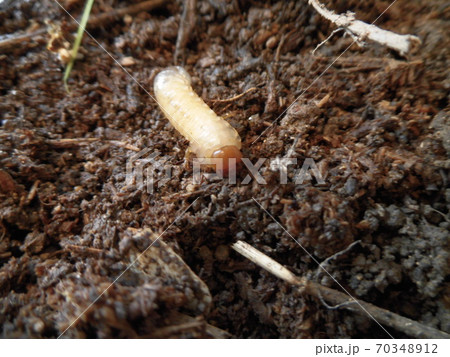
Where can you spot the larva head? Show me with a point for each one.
(226, 153)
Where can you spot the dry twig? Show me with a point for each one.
(361, 31)
(94, 22)
(187, 25)
(74, 142)
(385, 317)
(183, 323)
(236, 97)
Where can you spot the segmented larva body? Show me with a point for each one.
(210, 136)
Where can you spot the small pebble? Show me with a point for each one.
(127, 61)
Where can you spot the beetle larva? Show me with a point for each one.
(210, 136)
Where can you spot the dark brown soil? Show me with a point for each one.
(70, 224)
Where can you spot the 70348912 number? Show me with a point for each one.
(407, 348)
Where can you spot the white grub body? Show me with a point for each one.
(191, 116)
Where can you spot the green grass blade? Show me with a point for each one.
(78, 38)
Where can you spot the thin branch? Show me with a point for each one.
(74, 142)
(236, 97)
(362, 31)
(267, 263)
(331, 296)
(16, 39)
(187, 25)
(94, 22)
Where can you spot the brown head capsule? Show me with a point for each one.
(227, 154)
